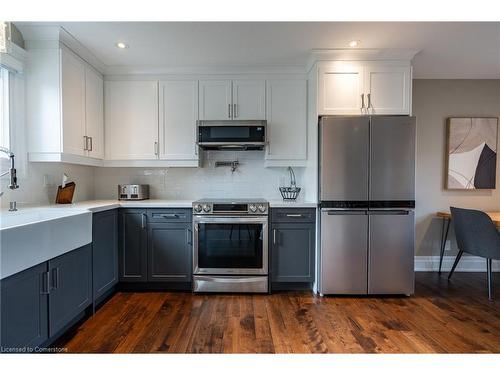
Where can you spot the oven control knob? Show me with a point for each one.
(253, 208)
(206, 208)
(262, 208)
(197, 208)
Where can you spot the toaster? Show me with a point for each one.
(131, 192)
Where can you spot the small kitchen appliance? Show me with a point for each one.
(133, 192)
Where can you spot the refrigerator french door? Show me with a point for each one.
(367, 193)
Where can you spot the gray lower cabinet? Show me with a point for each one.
(70, 287)
(24, 308)
(133, 257)
(169, 252)
(38, 303)
(292, 245)
(104, 251)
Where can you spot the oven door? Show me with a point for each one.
(230, 245)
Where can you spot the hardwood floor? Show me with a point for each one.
(442, 317)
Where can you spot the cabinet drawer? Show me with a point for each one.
(169, 215)
(293, 215)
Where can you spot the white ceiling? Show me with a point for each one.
(448, 50)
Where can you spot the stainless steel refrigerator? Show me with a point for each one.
(367, 194)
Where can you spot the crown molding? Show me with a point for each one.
(49, 36)
(366, 54)
(203, 70)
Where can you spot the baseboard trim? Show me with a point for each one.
(466, 264)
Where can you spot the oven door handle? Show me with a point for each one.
(230, 220)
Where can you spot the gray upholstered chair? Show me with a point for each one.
(477, 235)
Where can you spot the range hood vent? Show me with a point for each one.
(232, 135)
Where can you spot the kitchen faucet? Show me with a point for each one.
(12, 171)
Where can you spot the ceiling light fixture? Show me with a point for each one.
(354, 43)
(121, 45)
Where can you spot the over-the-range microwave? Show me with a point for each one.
(232, 135)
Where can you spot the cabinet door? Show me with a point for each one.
(131, 120)
(389, 88)
(73, 103)
(292, 252)
(340, 89)
(133, 245)
(94, 113)
(169, 252)
(286, 120)
(391, 253)
(24, 306)
(178, 116)
(104, 251)
(70, 287)
(249, 99)
(344, 252)
(215, 100)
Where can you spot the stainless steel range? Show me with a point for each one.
(230, 245)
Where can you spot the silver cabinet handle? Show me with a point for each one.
(362, 102)
(189, 236)
(235, 114)
(229, 110)
(55, 278)
(143, 223)
(169, 216)
(274, 236)
(293, 215)
(85, 143)
(156, 149)
(45, 283)
(91, 144)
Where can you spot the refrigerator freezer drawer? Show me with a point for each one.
(391, 253)
(344, 252)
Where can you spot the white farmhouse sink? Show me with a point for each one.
(32, 236)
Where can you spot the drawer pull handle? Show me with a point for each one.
(294, 215)
(169, 216)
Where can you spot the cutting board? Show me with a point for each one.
(65, 194)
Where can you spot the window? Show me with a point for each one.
(4, 108)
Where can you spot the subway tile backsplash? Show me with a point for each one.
(251, 179)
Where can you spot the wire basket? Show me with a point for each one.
(290, 193)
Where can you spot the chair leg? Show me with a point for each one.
(457, 259)
(490, 279)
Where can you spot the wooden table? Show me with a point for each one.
(446, 216)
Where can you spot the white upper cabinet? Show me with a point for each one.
(64, 108)
(286, 110)
(249, 99)
(243, 99)
(178, 116)
(215, 100)
(364, 88)
(388, 89)
(73, 103)
(94, 113)
(341, 89)
(131, 120)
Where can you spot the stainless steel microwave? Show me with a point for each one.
(232, 135)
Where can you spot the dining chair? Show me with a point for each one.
(477, 235)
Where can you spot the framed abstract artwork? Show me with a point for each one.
(471, 154)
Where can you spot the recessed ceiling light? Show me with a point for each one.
(354, 43)
(121, 45)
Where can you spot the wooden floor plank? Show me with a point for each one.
(442, 317)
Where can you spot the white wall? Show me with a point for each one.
(433, 102)
(250, 180)
(32, 190)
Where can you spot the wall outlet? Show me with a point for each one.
(447, 245)
(48, 181)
